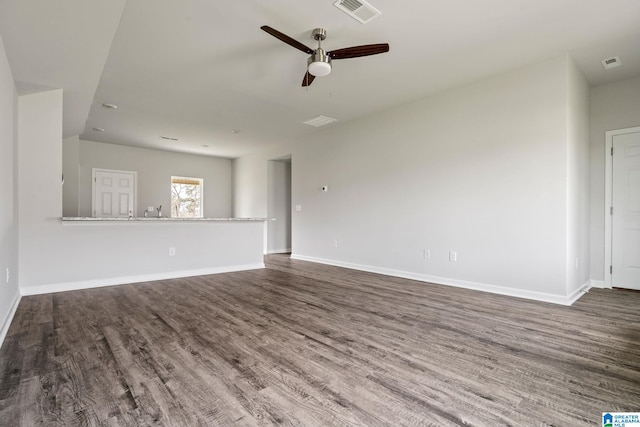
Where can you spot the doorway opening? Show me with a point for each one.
(279, 206)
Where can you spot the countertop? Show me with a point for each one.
(155, 219)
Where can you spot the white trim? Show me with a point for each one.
(279, 251)
(608, 194)
(598, 284)
(519, 293)
(9, 319)
(123, 280)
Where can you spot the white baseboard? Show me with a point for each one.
(7, 322)
(279, 251)
(575, 295)
(123, 280)
(599, 284)
(513, 292)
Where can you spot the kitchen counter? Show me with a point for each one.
(156, 219)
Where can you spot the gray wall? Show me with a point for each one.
(71, 171)
(9, 293)
(155, 169)
(484, 170)
(613, 106)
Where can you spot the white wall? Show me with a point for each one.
(250, 186)
(39, 181)
(482, 170)
(155, 169)
(9, 293)
(613, 106)
(578, 180)
(54, 256)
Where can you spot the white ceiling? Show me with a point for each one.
(198, 69)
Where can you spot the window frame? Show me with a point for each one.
(191, 181)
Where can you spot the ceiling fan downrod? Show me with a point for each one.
(319, 63)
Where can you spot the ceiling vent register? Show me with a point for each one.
(611, 62)
(359, 10)
(320, 121)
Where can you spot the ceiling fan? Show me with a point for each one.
(319, 63)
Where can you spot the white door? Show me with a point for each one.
(113, 193)
(625, 220)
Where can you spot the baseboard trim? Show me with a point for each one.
(599, 284)
(123, 280)
(279, 251)
(7, 321)
(519, 293)
(575, 295)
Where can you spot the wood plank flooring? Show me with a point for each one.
(301, 344)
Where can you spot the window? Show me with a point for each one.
(186, 197)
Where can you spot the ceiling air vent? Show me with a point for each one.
(359, 10)
(611, 62)
(320, 121)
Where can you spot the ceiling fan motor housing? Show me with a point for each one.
(319, 64)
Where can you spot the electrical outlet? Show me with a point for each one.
(298, 208)
(453, 256)
(8, 274)
(172, 251)
(426, 253)
(335, 243)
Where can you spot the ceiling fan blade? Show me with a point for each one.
(357, 51)
(288, 40)
(308, 79)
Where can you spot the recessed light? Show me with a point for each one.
(98, 129)
(168, 138)
(205, 146)
(112, 106)
(235, 131)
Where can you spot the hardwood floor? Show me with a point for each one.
(310, 345)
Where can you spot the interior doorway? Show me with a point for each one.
(279, 206)
(622, 210)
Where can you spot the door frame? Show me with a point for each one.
(93, 188)
(608, 199)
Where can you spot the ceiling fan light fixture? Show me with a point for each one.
(319, 64)
(319, 69)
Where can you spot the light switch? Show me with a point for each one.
(298, 207)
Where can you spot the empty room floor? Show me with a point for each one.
(305, 344)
